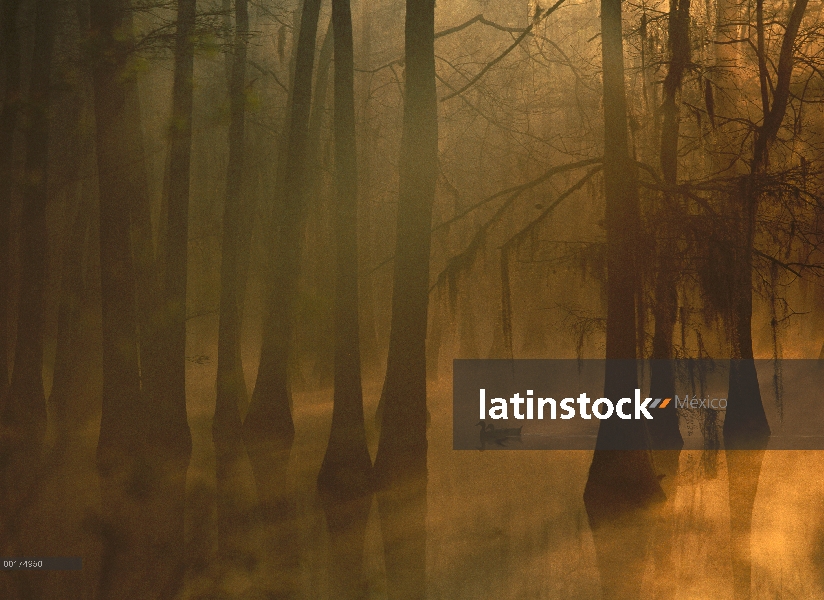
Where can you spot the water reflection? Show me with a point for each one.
(503, 525)
(402, 509)
(346, 521)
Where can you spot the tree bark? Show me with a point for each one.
(146, 271)
(745, 423)
(320, 254)
(122, 422)
(664, 430)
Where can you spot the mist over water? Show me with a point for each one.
(242, 243)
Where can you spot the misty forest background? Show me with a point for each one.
(241, 243)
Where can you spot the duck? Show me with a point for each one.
(499, 436)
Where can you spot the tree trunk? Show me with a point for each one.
(70, 361)
(347, 466)
(171, 401)
(664, 428)
(170, 435)
(147, 282)
(746, 430)
(402, 449)
(370, 349)
(621, 484)
(141, 503)
(745, 424)
(23, 418)
(400, 464)
(345, 475)
(122, 423)
(317, 116)
(268, 430)
(322, 267)
(231, 386)
(622, 224)
(8, 124)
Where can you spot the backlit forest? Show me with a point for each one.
(242, 241)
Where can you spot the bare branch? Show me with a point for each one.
(501, 56)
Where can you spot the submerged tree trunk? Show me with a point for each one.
(621, 485)
(402, 449)
(231, 386)
(23, 416)
(142, 478)
(746, 430)
(170, 435)
(401, 461)
(268, 430)
(123, 425)
(171, 398)
(345, 475)
(346, 467)
(8, 125)
(664, 430)
(622, 223)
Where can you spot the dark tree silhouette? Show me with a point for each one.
(746, 430)
(319, 259)
(622, 224)
(144, 446)
(171, 396)
(402, 449)
(664, 428)
(23, 416)
(8, 125)
(745, 423)
(400, 464)
(170, 436)
(346, 467)
(268, 430)
(622, 481)
(344, 480)
(231, 387)
(123, 425)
